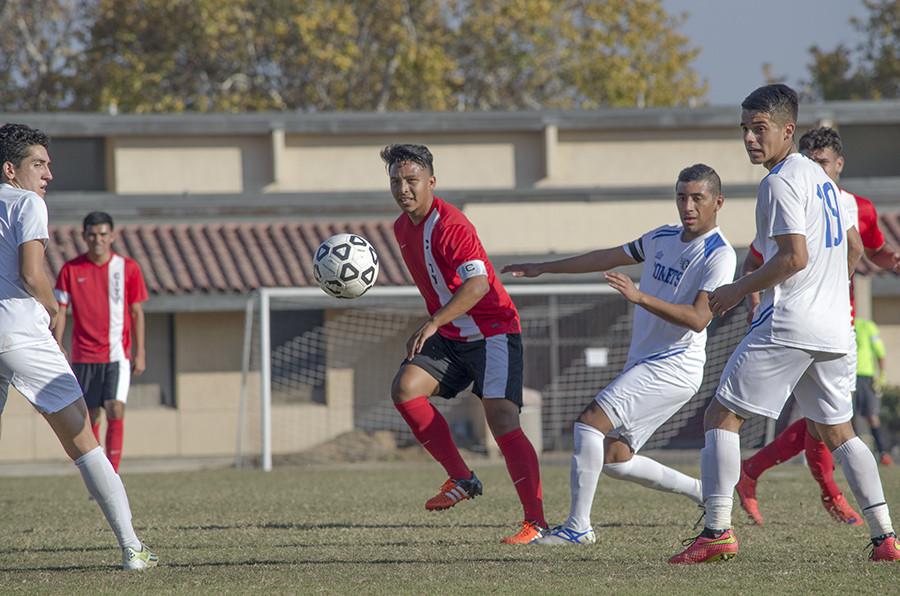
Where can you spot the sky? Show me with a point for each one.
(737, 37)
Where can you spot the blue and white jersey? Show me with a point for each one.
(675, 271)
(810, 309)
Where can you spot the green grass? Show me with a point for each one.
(363, 529)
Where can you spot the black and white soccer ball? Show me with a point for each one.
(345, 266)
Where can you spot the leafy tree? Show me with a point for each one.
(872, 71)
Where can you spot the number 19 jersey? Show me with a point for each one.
(810, 309)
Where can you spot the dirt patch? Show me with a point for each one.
(356, 446)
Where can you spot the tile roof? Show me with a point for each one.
(232, 257)
(237, 257)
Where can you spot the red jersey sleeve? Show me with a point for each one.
(135, 288)
(871, 234)
(63, 286)
(460, 245)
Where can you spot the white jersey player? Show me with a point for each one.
(798, 340)
(682, 265)
(30, 358)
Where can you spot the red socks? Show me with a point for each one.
(432, 431)
(114, 431)
(821, 464)
(785, 446)
(96, 428)
(525, 472)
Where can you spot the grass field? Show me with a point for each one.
(363, 529)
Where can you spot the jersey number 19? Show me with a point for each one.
(834, 231)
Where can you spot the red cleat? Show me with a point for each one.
(841, 510)
(886, 459)
(885, 548)
(454, 491)
(746, 490)
(707, 550)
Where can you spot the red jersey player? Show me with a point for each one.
(823, 145)
(471, 336)
(104, 290)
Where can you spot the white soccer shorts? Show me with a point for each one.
(760, 376)
(41, 374)
(643, 397)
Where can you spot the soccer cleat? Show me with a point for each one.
(886, 459)
(138, 560)
(706, 550)
(564, 535)
(885, 548)
(529, 533)
(454, 491)
(841, 510)
(746, 490)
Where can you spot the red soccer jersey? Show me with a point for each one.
(441, 253)
(100, 298)
(872, 237)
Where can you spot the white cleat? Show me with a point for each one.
(138, 560)
(564, 535)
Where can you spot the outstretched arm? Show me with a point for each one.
(886, 257)
(694, 316)
(597, 260)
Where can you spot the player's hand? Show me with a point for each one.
(724, 298)
(65, 352)
(523, 269)
(896, 259)
(623, 284)
(752, 304)
(417, 340)
(138, 365)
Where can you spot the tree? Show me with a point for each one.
(872, 71)
(39, 53)
(318, 55)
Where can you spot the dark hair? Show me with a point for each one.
(16, 140)
(97, 218)
(700, 172)
(418, 154)
(821, 138)
(779, 101)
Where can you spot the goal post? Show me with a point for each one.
(323, 366)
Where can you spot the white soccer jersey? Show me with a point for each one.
(675, 271)
(23, 217)
(810, 309)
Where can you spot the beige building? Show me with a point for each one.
(205, 201)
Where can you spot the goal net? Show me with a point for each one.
(315, 367)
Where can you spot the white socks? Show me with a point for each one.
(587, 463)
(861, 472)
(720, 470)
(107, 489)
(652, 474)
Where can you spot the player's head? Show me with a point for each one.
(823, 145)
(768, 121)
(698, 195)
(98, 232)
(24, 160)
(411, 172)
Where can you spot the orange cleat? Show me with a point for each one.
(529, 532)
(886, 459)
(454, 491)
(841, 510)
(706, 550)
(885, 548)
(746, 490)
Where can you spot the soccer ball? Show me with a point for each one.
(345, 266)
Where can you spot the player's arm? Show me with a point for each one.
(139, 363)
(752, 262)
(594, 261)
(694, 316)
(854, 249)
(60, 329)
(34, 278)
(886, 257)
(792, 257)
(464, 299)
